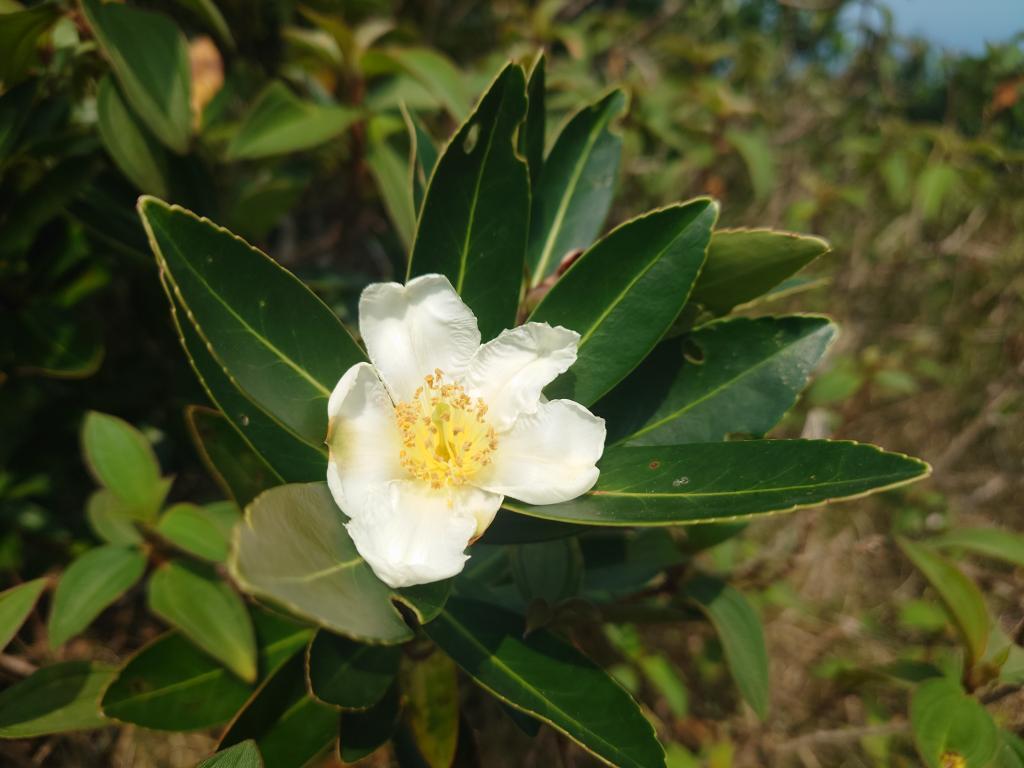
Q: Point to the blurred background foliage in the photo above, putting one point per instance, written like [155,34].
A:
[293,126]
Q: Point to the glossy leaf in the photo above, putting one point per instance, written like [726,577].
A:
[739,630]
[734,376]
[746,263]
[987,542]
[348,674]
[122,460]
[288,457]
[531,136]
[16,604]
[624,293]
[432,708]
[293,549]
[56,699]
[549,570]
[363,732]
[149,57]
[90,584]
[136,153]
[111,519]
[230,460]
[190,528]
[288,726]
[959,594]
[576,186]
[245,754]
[474,221]
[208,612]
[19,35]
[547,679]
[711,482]
[947,723]
[279,122]
[279,343]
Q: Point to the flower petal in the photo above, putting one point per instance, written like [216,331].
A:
[410,534]
[547,456]
[362,437]
[510,371]
[412,329]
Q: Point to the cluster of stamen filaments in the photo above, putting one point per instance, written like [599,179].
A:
[446,439]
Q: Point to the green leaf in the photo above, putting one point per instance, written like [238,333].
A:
[122,460]
[349,674]
[149,57]
[734,376]
[576,186]
[549,570]
[191,528]
[54,341]
[531,137]
[621,307]
[947,723]
[90,584]
[245,754]
[208,612]
[15,111]
[279,343]
[622,562]
[289,458]
[759,157]
[519,529]
[475,215]
[423,158]
[172,685]
[713,482]
[547,679]
[56,699]
[391,175]
[293,549]
[289,727]
[135,152]
[19,34]
[362,732]
[739,630]
[746,263]
[207,12]
[431,688]
[111,519]
[279,122]
[987,542]
[230,460]
[959,594]
[432,70]
[16,604]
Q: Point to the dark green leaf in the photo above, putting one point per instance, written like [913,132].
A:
[172,685]
[16,604]
[544,677]
[122,460]
[55,699]
[518,529]
[293,549]
[548,570]
[531,136]
[432,708]
[229,459]
[746,263]
[959,594]
[734,376]
[739,630]
[289,727]
[149,57]
[361,733]
[90,584]
[207,12]
[15,111]
[349,674]
[711,482]
[987,542]
[279,123]
[576,186]
[423,158]
[624,293]
[279,343]
[475,215]
[621,562]
[948,723]
[136,153]
[243,755]
[19,34]
[208,612]
[192,529]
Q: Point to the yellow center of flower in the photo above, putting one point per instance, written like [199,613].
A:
[446,439]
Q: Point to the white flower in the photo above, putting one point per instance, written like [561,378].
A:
[427,441]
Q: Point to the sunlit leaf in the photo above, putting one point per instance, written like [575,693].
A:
[15,605]
[55,699]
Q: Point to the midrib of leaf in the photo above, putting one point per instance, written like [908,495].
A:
[112,577]
[241,321]
[563,205]
[343,668]
[310,577]
[728,383]
[747,491]
[464,256]
[517,678]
